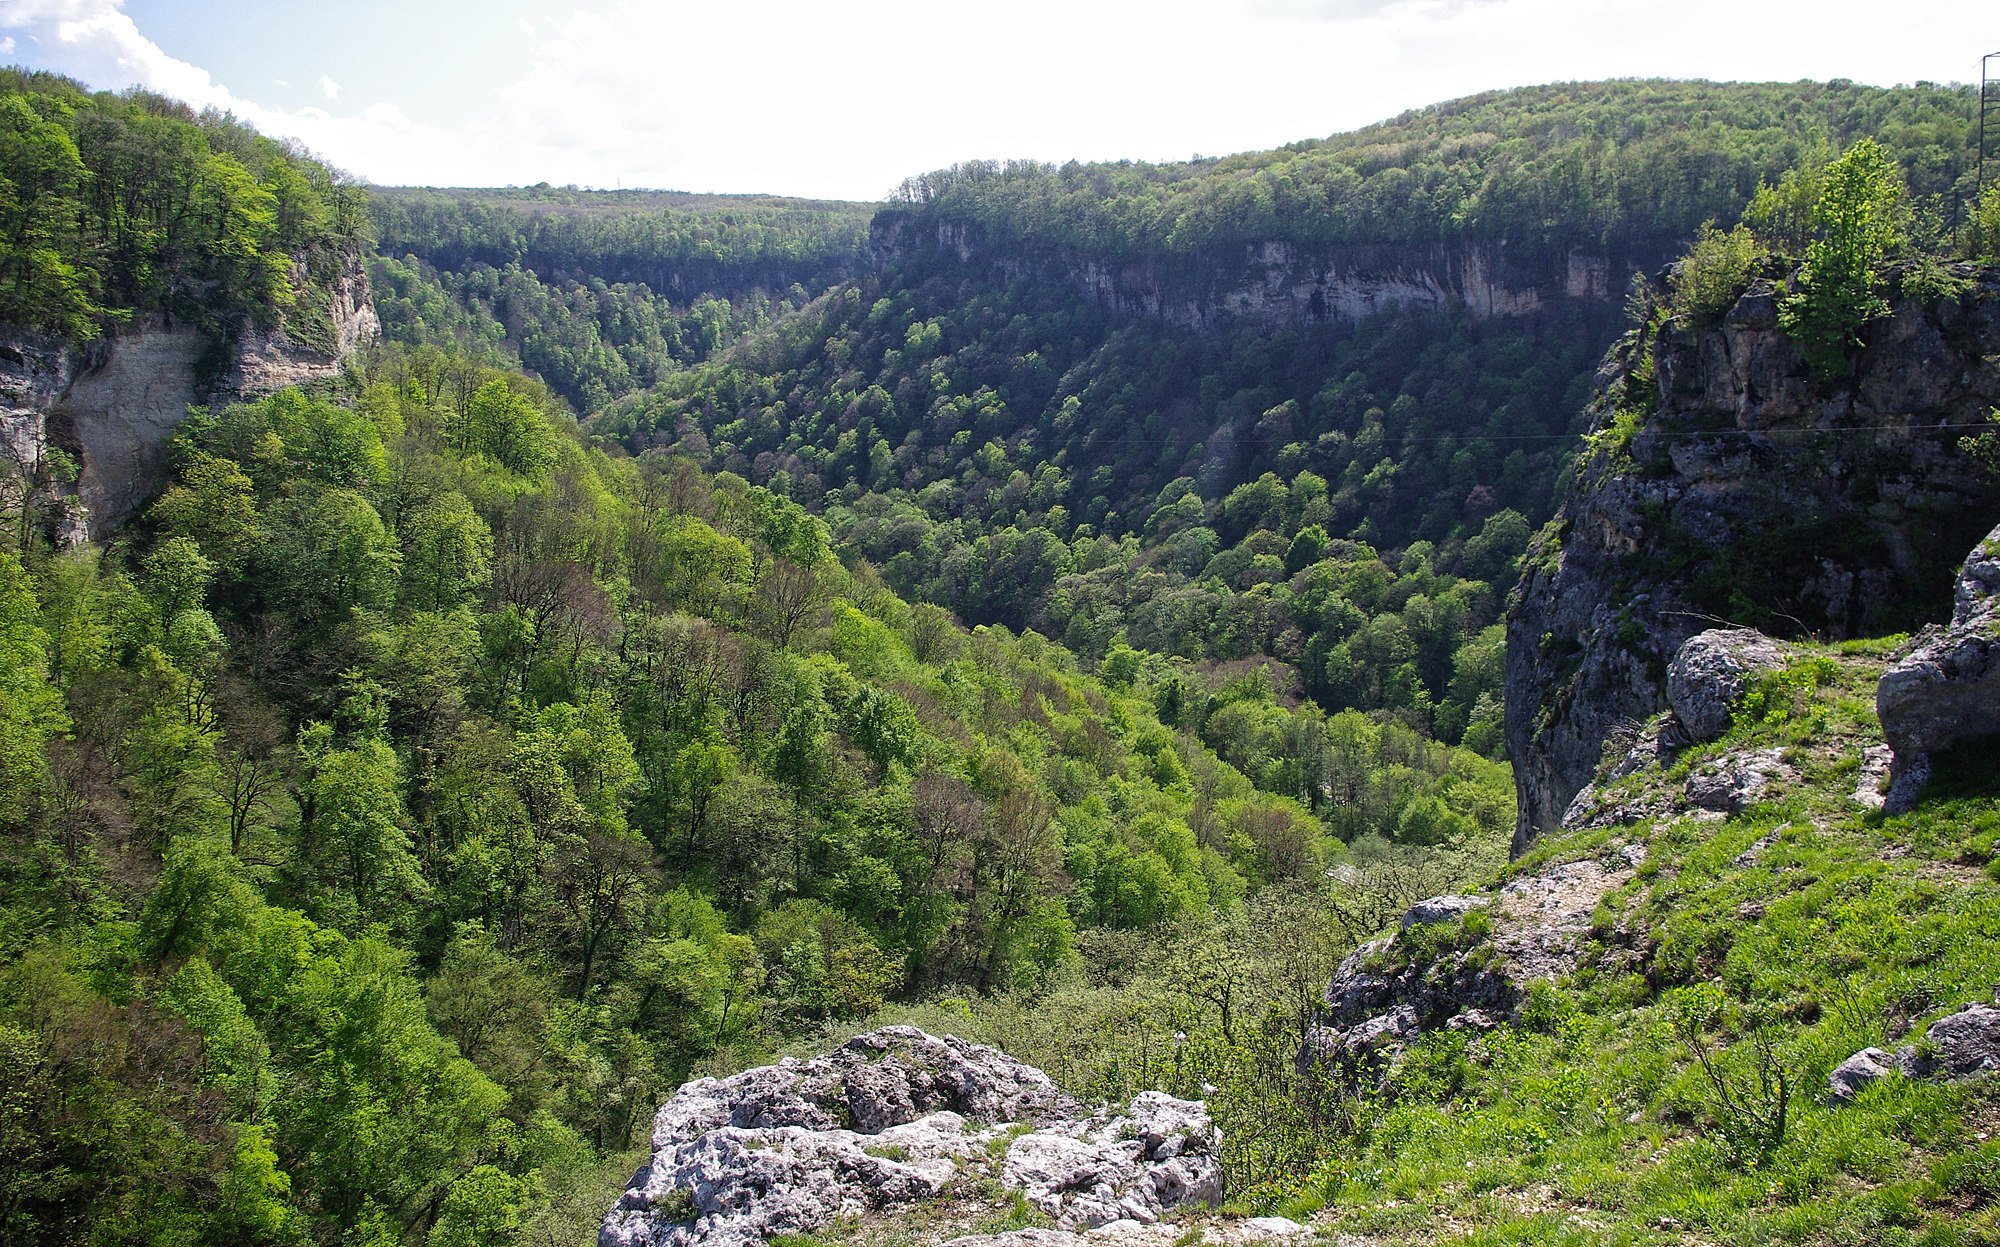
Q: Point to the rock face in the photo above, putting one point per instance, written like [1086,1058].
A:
[1751,490]
[1947,688]
[893,1117]
[113,405]
[1283,285]
[1387,993]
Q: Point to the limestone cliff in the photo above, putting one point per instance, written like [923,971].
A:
[1725,483]
[110,407]
[1282,284]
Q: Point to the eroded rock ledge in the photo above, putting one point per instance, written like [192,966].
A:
[895,1117]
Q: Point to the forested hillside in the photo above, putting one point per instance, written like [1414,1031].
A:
[1346,497]
[131,205]
[416,794]
[597,292]
[701,628]
[1626,167]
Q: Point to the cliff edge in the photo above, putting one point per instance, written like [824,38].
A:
[84,428]
[1724,484]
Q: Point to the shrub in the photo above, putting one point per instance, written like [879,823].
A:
[1856,224]
[1711,276]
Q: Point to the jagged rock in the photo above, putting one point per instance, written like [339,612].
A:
[1733,782]
[890,1118]
[1442,909]
[1157,1155]
[1965,1044]
[1708,676]
[1382,998]
[1857,1071]
[1730,467]
[1947,688]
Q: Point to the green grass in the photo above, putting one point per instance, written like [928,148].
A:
[1591,1120]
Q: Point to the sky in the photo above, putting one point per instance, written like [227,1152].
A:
[834,99]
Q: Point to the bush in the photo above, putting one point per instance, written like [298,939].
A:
[1856,224]
[1711,276]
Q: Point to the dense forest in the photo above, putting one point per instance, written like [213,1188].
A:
[693,631]
[115,206]
[1347,498]
[412,756]
[601,293]
[1618,166]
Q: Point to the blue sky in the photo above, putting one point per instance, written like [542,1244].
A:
[844,99]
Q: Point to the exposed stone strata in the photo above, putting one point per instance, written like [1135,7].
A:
[1754,487]
[892,1118]
[1391,991]
[113,405]
[1284,285]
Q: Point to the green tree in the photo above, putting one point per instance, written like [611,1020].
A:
[31,710]
[1856,224]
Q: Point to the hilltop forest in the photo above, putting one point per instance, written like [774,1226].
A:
[706,622]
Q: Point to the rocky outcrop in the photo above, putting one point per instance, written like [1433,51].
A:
[1282,284]
[111,406]
[1444,969]
[1709,674]
[1957,1046]
[1727,482]
[893,1117]
[1947,688]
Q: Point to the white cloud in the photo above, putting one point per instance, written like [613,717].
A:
[804,97]
[328,87]
[7,46]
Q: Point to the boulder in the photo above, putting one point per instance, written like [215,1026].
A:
[1709,673]
[1965,1044]
[1946,689]
[1857,1071]
[1442,909]
[890,1118]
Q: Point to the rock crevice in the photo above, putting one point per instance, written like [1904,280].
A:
[895,1117]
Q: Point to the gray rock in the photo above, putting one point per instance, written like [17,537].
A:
[1857,1071]
[1442,909]
[1965,1044]
[1947,688]
[1729,462]
[1709,673]
[888,1119]
[1732,783]
[1160,1153]
[1869,785]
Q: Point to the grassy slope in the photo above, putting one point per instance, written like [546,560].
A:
[1825,926]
